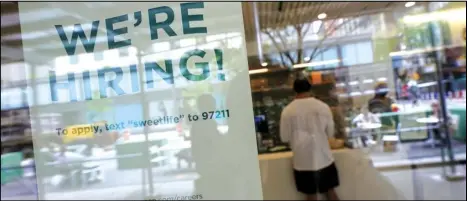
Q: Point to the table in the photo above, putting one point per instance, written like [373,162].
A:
[176,146]
[363,130]
[430,120]
[369,126]
[359,179]
[409,115]
[427,120]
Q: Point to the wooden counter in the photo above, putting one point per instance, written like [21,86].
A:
[358,178]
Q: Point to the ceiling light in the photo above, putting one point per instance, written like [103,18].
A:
[409,4]
[382,79]
[256,71]
[317,63]
[340,84]
[322,16]
[356,93]
[452,14]
[264,64]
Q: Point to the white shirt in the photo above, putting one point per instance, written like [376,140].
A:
[366,118]
[307,124]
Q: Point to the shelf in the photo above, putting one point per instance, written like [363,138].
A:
[271,89]
[17,141]
[460,69]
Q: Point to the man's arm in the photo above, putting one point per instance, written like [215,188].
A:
[329,121]
[285,128]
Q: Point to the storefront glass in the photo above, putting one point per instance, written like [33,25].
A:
[392,73]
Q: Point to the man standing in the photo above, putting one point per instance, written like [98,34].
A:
[308,125]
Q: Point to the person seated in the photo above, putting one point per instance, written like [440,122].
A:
[382,103]
[364,122]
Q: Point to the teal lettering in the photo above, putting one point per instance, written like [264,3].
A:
[71,86]
[113,84]
[87,85]
[165,25]
[112,33]
[187,18]
[78,32]
[167,74]
[203,65]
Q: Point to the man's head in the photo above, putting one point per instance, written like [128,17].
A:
[301,86]
[381,89]
[206,102]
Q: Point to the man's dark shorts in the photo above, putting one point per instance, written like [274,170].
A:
[319,181]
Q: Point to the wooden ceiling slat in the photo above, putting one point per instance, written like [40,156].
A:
[293,13]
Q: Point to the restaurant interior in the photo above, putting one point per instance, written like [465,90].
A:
[351,52]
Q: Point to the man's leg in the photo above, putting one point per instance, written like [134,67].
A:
[330,180]
[332,195]
[312,197]
[306,183]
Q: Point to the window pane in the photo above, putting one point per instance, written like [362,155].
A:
[364,52]
[330,55]
[73,59]
[349,55]
[187,42]
[98,56]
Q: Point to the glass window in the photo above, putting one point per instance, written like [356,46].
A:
[98,56]
[63,94]
[162,46]
[234,42]
[349,55]
[328,56]
[123,52]
[12,98]
[364,52]
[15,72]
[357,53]
[186,42]
[411,40]
[216,37]
[73,59]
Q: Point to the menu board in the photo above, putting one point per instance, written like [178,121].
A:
[181,66]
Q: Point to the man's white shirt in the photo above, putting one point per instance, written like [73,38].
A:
[307,124]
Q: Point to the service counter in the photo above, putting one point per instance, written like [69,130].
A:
[359,179]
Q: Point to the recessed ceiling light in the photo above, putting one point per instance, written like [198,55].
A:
[264,64]
[322,16]
[409,4]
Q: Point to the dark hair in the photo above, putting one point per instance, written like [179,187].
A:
[301,86]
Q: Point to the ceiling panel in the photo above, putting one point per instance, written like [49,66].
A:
[270,15]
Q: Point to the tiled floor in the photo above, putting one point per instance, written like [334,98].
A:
[422,183]
[427,184]
[406,152]
[415,184]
